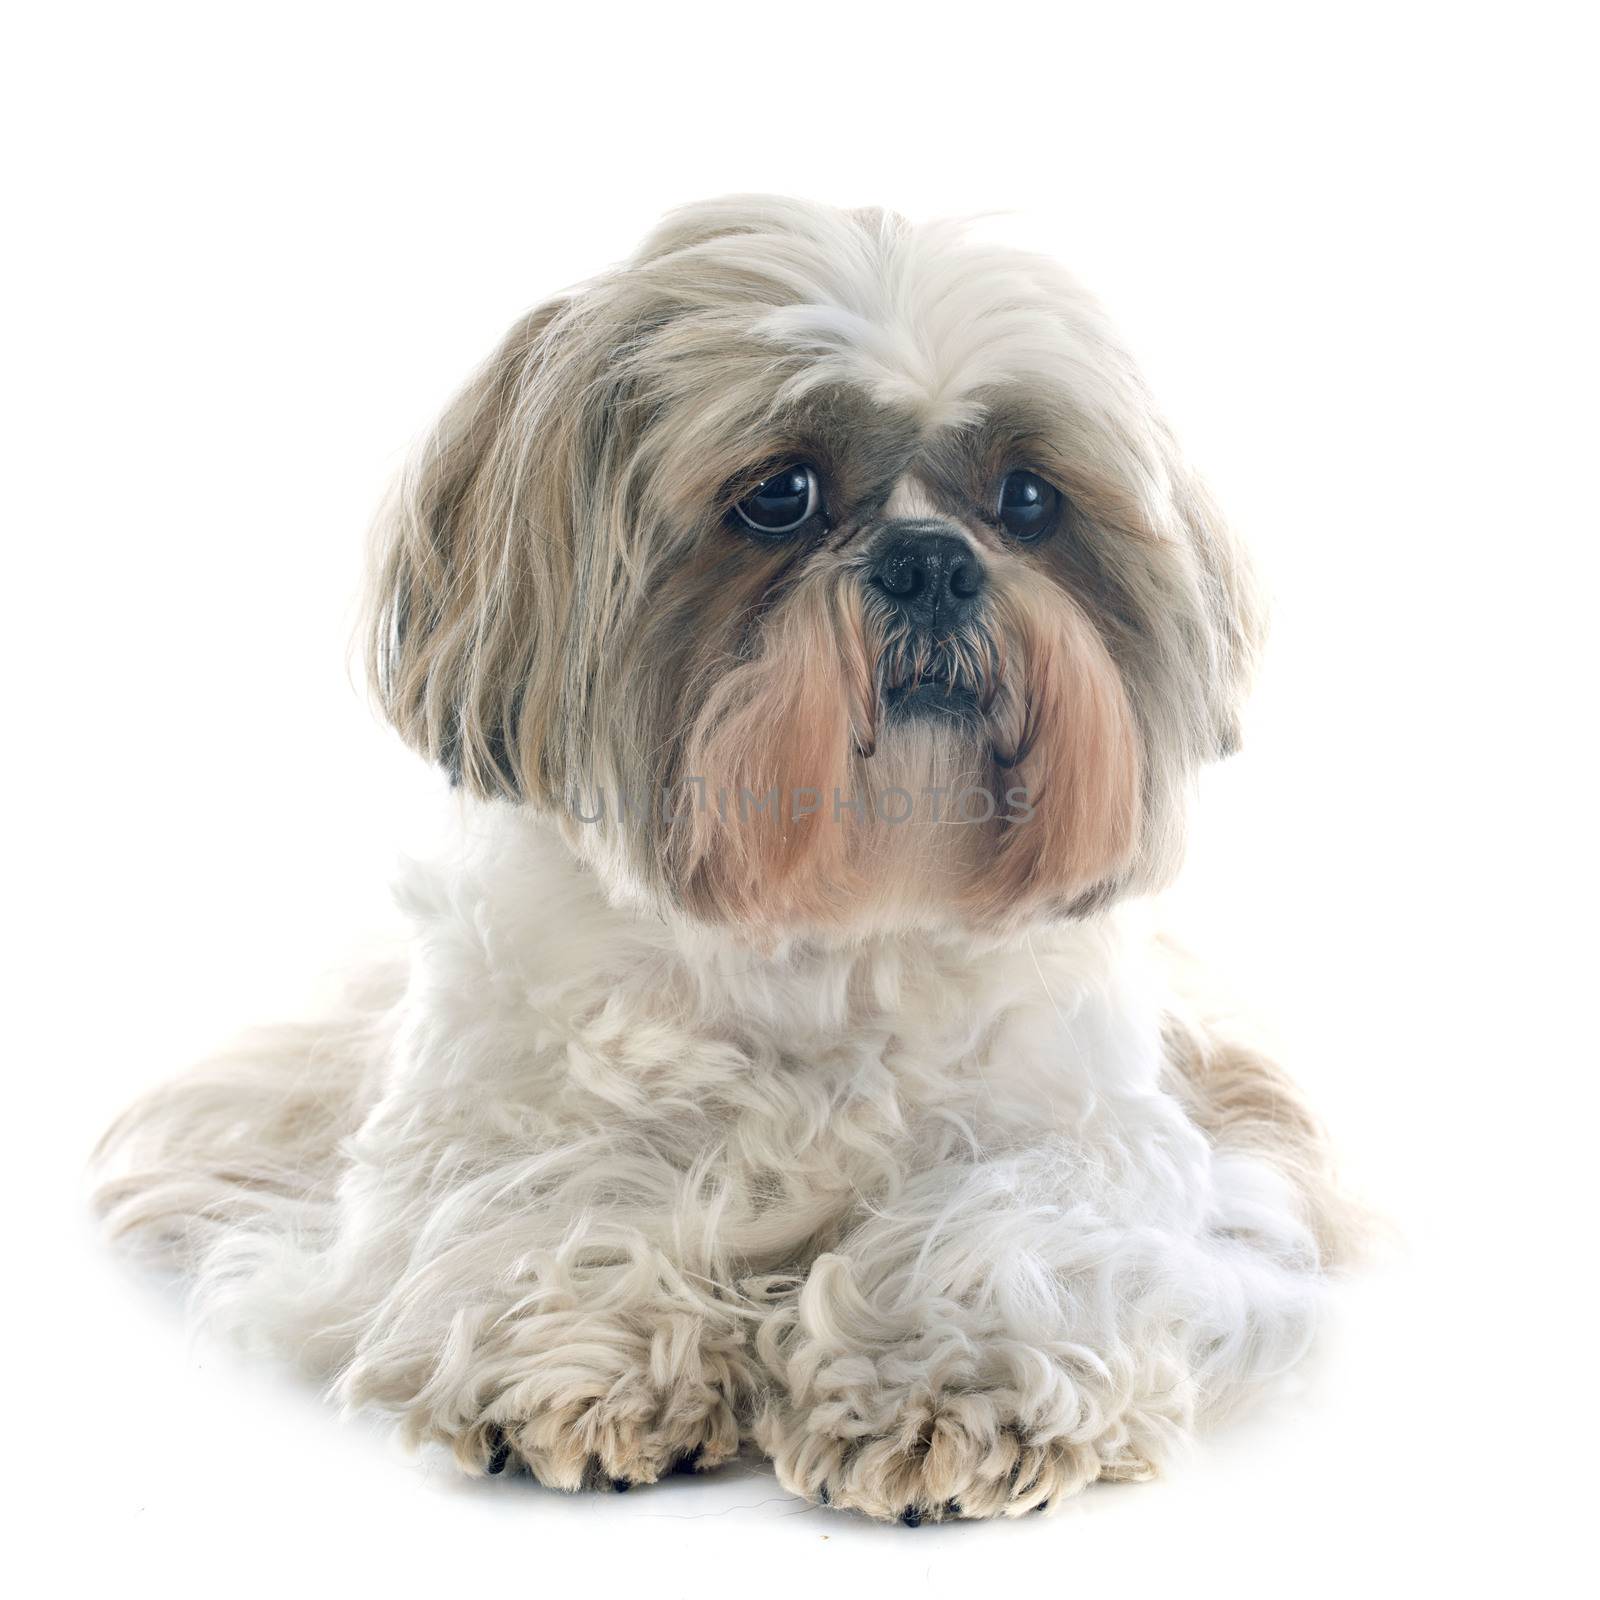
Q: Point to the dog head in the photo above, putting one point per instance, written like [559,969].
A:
[819,573]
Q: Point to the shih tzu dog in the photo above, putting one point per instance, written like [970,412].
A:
[821,632]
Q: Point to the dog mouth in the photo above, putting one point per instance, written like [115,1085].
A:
[955,679]
[935,688]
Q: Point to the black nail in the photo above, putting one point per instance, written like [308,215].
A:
[499,1452]
[690,1460]
[911,1517]
[952,1508]
[622,1485]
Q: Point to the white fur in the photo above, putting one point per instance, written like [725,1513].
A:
[919,1187]
[921,1209]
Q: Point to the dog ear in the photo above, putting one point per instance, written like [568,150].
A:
[1235,612]
[471,571]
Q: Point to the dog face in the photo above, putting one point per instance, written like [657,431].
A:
[820,574]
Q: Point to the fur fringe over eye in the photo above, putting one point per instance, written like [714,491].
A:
[563,606]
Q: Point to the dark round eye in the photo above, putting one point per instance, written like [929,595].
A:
[1029,507]
[781,503]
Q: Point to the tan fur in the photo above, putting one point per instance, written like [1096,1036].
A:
[1071,741]
[790,720]
[257,1132]
[1243,1101]
[590,469]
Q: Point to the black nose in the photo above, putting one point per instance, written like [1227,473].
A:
[932,579]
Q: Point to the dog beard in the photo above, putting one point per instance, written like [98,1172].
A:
[567,602]
[849,773]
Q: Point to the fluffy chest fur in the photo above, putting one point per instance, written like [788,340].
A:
[773,1084]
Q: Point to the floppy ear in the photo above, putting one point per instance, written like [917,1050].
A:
[472,572]
[1235,612]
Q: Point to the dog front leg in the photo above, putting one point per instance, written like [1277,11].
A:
[997,1335]
[556,1309]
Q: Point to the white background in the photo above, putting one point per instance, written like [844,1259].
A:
[252,250]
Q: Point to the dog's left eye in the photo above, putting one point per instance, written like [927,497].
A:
[1028,506]
[781,503]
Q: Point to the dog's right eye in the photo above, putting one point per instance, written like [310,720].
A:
[781,503]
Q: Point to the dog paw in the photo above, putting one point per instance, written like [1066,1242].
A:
[932,1458]
[630,1423]
[613,1441]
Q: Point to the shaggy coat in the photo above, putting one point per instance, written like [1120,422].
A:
[744,1080]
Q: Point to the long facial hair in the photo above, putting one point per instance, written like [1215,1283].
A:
[561,606]
[1050,752]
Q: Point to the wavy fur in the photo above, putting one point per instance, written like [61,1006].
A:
[878,1145]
